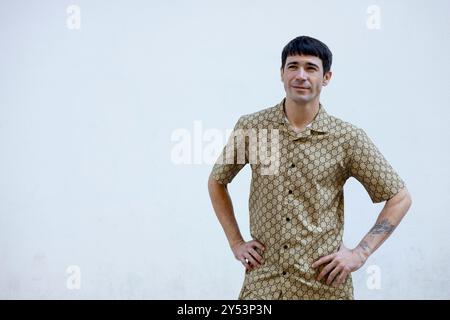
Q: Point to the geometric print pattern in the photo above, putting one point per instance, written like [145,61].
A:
[298,213]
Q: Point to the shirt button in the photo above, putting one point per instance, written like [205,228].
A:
[288,219]
[290,191]
[293,165]
[284,273]
[285,246]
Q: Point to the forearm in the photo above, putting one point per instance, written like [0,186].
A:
[388,219]
[223,208]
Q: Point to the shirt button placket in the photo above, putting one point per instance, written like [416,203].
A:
[285,247]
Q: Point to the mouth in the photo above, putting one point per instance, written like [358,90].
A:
[300,88]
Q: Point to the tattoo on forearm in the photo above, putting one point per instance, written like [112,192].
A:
[365,246]
[383,226]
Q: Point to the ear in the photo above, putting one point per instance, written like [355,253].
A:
[326,78]
[281,74]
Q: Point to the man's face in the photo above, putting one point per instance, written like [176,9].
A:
[303,78]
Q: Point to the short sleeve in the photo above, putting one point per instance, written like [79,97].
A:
[372,170]
[233,157]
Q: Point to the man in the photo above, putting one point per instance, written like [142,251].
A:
[297,207]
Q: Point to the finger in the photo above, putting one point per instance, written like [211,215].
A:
[258,244]
[333,274]
[244,259]
[256,255]
[327,269]
[246,264]
[251,260]
[323,260]
[341,278]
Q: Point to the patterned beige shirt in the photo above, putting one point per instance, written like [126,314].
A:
[297,212]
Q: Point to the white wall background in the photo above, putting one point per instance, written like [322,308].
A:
[87,115]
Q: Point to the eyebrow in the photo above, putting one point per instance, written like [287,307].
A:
[307,63]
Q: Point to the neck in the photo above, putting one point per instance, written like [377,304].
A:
[301,114]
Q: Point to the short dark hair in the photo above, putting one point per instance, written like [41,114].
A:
[305,45]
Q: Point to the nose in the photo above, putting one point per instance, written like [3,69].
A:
[301,74]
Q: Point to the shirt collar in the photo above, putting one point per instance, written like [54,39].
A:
[321,121]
